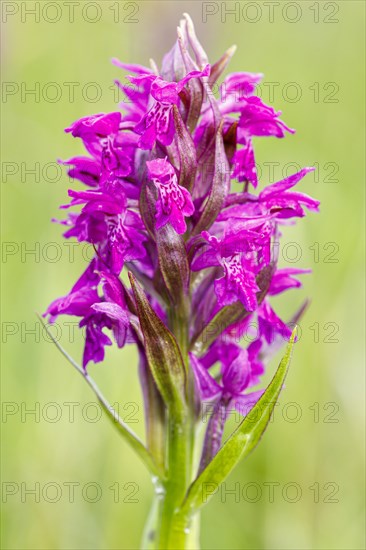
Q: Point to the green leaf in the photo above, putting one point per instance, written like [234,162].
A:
[162,352]
[113,416]
[241,442]
[216,326]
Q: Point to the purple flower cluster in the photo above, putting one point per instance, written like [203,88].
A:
[158,200]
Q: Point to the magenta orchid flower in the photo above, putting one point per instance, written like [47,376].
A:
[157,203]
[175,202]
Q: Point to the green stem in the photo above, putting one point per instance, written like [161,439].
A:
[171,533]
[179,323]
[172,528]
[183,534]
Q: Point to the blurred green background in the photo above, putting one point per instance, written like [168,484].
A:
[304,486]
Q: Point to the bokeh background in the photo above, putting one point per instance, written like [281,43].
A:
[304,486]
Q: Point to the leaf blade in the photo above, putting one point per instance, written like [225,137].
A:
[162,352]
[111,413]
[242,441]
